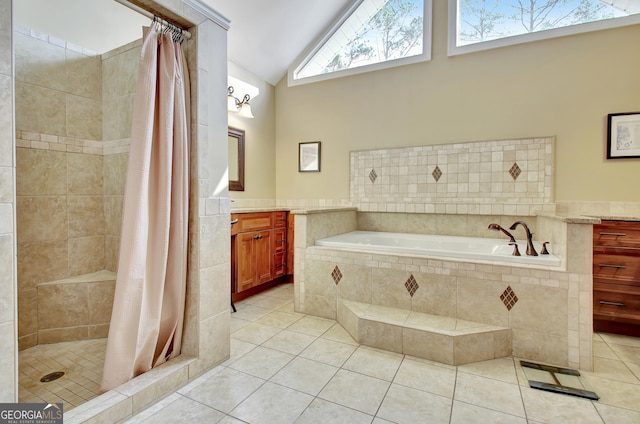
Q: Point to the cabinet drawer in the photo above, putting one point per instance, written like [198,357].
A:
[617,233]
[280,219]
[616,268]
[279,240]
[616,303]
[251,222]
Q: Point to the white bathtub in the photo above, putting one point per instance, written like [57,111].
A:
[473,248]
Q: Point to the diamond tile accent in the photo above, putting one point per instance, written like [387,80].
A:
[412,285]
[509,298]
[336,275]
[515,171]
[437,173]
[373,175]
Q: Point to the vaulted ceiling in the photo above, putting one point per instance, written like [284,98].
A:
[265,37]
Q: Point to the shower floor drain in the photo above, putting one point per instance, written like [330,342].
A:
[52,376]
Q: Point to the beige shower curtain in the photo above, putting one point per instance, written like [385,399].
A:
[148,309]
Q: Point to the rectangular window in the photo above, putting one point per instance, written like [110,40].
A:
[483,24]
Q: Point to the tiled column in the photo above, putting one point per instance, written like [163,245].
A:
[8,353]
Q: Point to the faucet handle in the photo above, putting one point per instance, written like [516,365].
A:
[544,250]
[516,252]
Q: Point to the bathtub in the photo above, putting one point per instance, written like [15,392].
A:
[471,248]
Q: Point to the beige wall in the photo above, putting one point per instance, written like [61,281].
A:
[260,132]
[563,87]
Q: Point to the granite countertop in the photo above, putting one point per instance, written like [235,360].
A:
[296,211]
[588,219]
[250,210]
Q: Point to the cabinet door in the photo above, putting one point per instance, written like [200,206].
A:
[264,261]
[246,261]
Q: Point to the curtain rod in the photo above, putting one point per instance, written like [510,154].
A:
[150,15]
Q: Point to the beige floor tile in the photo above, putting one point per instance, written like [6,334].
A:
[238,350]
[255,333]
[187,411]
[339,334]
[616,393]
[627,353]
[249,312]
[620,339]
[464,413]
[613,415]
[289,342]
[267,406]
[406,405]
[612,369]
[355,391]
[270,302]
[313,326]
[236,323]
[489,393]
[226,390]
[426,377]
[323,412]
[602,350]
[279,319]
[305,375]
[262,362]
[502,369]
[328,352]
[557,408]
[374,363]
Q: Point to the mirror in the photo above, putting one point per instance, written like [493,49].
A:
[236,159]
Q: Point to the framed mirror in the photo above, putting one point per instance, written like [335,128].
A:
[236,159]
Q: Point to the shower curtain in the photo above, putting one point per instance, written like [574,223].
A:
[148,310]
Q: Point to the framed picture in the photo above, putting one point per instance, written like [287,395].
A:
[309,157]
[623,135]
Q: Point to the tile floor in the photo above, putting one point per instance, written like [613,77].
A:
[81,361]
[287,367]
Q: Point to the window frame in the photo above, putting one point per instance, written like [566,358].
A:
[316,45]
[454,49]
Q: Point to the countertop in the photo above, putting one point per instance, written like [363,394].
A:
[296,211]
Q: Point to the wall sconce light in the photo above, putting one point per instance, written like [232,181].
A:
[242,107]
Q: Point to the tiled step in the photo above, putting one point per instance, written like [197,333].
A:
[441,339]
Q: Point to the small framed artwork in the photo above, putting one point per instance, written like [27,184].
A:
[309,157]
[623,135]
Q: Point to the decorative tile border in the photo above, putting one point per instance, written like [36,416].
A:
[32,140]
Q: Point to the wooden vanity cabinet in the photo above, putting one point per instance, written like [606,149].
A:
[258,249]
[616,277]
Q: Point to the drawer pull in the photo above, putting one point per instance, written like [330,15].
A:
[604,302]
[235,221]
[612,266]
[258,237]
[612,234]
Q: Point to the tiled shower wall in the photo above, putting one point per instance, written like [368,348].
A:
[71,163]
[8,353]
[508,177]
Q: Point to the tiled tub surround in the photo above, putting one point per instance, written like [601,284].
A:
[548,310]
[507,177]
